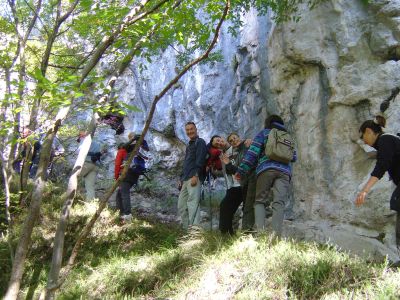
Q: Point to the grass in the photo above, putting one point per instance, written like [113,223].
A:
[149,260]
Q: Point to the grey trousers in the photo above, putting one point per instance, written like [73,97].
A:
[89,174]
[189,204]
[279,183]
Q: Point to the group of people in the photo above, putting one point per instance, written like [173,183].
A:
[251,175]
[30,150]
[136,168]
[91,164]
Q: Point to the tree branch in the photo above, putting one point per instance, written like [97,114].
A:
[36,13]
[65,67]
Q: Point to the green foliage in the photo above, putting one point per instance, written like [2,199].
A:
[14,209]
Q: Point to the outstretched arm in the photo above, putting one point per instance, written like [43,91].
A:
[251,157]
[360,200]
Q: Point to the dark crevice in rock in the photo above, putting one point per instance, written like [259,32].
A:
[144,97]
[394,54]
[386,103]
[380,237]
[324,111]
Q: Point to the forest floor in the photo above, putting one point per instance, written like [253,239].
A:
[149,259]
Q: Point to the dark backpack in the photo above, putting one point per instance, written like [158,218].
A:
[95,156]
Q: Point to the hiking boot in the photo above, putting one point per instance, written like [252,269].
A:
[126,218]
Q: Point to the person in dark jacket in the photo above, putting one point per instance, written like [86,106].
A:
[191,178]
[387,160]
[136,169]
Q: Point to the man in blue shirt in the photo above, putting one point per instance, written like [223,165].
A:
[191,178]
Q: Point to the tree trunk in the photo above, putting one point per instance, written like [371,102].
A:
[46,57]
[7,192]
[52,281]
[32,217]
[69,197]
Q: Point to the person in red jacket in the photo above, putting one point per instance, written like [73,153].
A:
[135,170]
[118,167]
[119,159]
[213,161]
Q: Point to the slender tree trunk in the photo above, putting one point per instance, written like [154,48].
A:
[46,57]
[7,208]
[32,217]
[6,191]
[3,119]
[3,147]
[69,197]
[20,53]
[103,202]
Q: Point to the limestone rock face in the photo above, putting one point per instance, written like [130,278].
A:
[330,72]
[325,75]
[220,97]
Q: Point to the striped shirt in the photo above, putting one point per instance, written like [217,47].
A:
[255,157]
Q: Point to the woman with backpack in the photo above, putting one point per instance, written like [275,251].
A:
[136,169]
[271,174]
[387,160]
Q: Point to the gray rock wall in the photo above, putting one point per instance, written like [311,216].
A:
[220,97]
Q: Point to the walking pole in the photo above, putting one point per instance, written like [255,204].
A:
[209,198]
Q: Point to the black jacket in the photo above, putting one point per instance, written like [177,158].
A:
[388,157]
[195,159]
